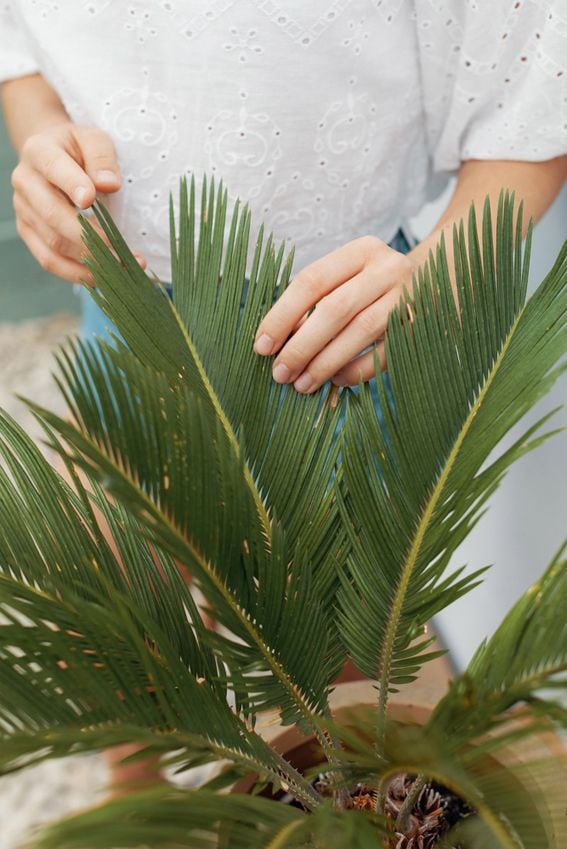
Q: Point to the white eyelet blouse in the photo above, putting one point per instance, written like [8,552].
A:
[331,118]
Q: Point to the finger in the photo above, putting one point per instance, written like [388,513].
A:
[98,158]
[69,270]
[305,290]
[331,315]
[53,239]
[140,259]
[365,328]
[44,207]
[363,368]
[51,160]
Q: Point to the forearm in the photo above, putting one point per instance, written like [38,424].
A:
[535,183]
[30,106]
[354,288]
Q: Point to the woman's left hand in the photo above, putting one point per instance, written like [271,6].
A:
[353,289]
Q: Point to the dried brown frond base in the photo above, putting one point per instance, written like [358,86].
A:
[434,814]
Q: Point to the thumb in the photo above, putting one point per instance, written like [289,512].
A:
[99,158]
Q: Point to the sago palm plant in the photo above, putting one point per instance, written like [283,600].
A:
[312,542]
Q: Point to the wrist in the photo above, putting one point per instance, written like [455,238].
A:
[31,106]
[420,254]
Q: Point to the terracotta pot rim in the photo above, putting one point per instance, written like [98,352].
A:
[291,743]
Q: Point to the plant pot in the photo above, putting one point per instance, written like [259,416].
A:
[347,699]
[352,691]
[352,697]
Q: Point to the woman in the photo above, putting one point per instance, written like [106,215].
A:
[334,119]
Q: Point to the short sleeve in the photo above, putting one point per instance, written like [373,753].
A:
[16,56]
[494,75]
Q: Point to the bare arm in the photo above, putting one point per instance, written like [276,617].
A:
[30,106]
[354,288]
[536,183]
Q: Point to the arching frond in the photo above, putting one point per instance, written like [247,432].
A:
[525,661]
[157,430]
[57,536]
[178,819]
[81,640]
[418,484]
[185,481]
[94,670]
[529,803]
[208,346]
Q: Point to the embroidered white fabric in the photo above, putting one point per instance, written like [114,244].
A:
[332,118]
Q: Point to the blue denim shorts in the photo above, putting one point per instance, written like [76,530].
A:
[95,323]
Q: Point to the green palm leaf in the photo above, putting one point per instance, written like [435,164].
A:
[418,485]
[208,346]
[177,819]
[525,658]
[86,639]
[151,447]
[93,670]
[528,801]
[186,481]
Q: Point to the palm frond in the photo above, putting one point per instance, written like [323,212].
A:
[144,424]
[57,536]
[94,669]
[525,661]
[529,802]
[208,346]
[178,749]
[52,539]
[177,819]
[86,638]
[188,490]
[417,485]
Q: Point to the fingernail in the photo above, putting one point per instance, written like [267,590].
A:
[281,373]
[140,259]
[264,345]
[304,383]
[106,177]
[80,196]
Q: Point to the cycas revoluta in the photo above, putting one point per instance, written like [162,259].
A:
[310,541]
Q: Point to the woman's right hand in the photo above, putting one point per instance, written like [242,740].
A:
[60,170]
